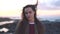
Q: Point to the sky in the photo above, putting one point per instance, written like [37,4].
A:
[49,4]
[13,8]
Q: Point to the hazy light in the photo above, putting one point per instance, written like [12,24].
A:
[4,29]
[6,22]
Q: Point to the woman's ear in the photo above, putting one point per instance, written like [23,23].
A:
[22,16]
[34,13]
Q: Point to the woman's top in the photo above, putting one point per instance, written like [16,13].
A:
[31,28]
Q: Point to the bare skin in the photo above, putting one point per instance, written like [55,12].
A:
[29,14]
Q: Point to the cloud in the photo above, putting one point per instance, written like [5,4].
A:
[57,3]
[50,5]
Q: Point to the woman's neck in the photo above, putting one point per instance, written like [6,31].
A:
[31,21]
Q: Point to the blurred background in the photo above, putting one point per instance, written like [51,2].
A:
[48,12]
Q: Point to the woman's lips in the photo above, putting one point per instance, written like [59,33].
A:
[28,17]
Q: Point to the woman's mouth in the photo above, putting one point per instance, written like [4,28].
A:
[28,17]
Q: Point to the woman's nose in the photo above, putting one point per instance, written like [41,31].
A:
[28,14]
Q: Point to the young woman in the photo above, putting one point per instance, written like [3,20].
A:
[29,24]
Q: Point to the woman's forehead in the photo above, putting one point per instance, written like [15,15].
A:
[28,9]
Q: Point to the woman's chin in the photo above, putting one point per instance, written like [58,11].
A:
[29,19]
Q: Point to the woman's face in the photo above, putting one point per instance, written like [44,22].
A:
[29,13]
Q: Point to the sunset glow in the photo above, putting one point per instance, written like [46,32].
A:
[11,8]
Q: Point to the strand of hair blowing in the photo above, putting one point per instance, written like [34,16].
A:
[40,26]
[21,26]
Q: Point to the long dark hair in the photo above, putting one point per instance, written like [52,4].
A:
[22,25]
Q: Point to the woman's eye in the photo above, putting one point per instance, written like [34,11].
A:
[30,12]
[26,13]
